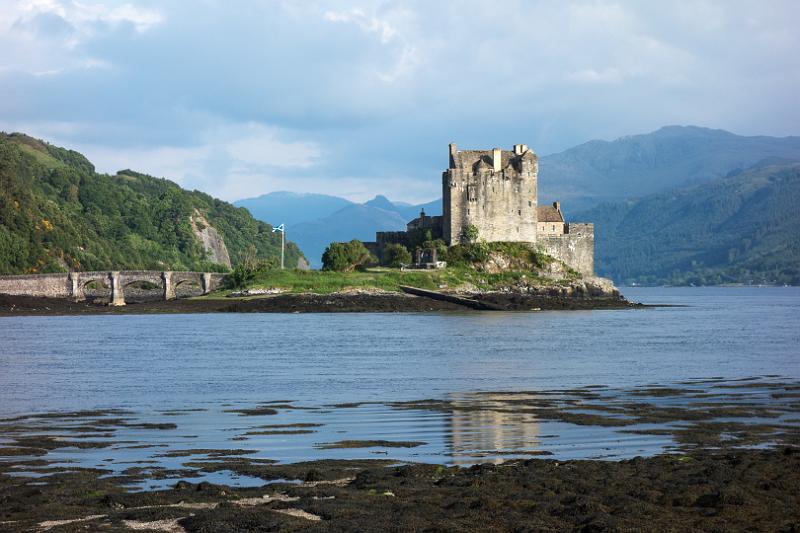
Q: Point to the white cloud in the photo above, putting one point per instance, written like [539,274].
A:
[362,98]
[230,161]
[47,37]
[402,57]
[369,24]
[85,15]
[590,75]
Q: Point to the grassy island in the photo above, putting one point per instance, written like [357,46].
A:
[476,267]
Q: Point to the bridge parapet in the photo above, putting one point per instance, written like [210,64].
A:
[45,285]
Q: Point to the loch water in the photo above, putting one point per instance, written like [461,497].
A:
[342,372]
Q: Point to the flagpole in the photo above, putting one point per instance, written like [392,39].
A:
[283,238]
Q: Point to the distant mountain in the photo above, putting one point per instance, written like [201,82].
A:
[742,228]
[356,221]
[57,213]
[313,223]
[407,211]
[291,208]
[638,165]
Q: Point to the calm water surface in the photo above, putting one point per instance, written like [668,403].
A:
[154,363]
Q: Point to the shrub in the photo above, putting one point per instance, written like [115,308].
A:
[468,254]
[470,234]
[243,274]
[346,256]
[396,255]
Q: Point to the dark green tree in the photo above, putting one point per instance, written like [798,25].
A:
[396,255]
[346,256]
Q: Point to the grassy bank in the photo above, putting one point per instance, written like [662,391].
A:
[388,279]
[478,266]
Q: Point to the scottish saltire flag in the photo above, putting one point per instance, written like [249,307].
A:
[278,228]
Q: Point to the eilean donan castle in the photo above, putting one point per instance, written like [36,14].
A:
[495,191]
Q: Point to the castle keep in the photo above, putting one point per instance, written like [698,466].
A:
[496,192]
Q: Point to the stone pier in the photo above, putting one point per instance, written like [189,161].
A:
[117,294]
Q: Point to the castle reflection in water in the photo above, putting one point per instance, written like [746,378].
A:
[486,426]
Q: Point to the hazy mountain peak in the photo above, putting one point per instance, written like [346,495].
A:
[382,202]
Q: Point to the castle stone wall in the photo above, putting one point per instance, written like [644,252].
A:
[575,248]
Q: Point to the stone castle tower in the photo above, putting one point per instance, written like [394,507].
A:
[494,190]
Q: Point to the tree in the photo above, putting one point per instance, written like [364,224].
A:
[345,256]
[396,255]
[335,257]
[418,236]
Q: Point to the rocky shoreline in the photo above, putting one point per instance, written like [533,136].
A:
[753,490]
[340,302]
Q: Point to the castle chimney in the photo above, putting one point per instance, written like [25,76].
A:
[497,159]
[557,205]
[517,149]
[453,155]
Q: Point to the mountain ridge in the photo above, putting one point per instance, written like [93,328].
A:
[741,228]
[642,164]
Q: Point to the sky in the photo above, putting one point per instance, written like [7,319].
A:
[362,98]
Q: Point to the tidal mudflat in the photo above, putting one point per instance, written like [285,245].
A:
[700,453]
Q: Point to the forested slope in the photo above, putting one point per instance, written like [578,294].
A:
[742,228]
[57,213]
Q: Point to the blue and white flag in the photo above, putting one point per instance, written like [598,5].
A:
[278,228]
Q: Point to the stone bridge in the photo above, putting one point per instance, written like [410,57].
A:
[74,284]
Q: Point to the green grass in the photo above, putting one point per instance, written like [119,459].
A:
[325,282]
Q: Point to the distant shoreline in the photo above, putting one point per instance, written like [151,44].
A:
[340,302]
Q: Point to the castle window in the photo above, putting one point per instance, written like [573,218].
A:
[519,212]
[529,203]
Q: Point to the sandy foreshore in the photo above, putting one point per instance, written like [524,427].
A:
[344,302]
